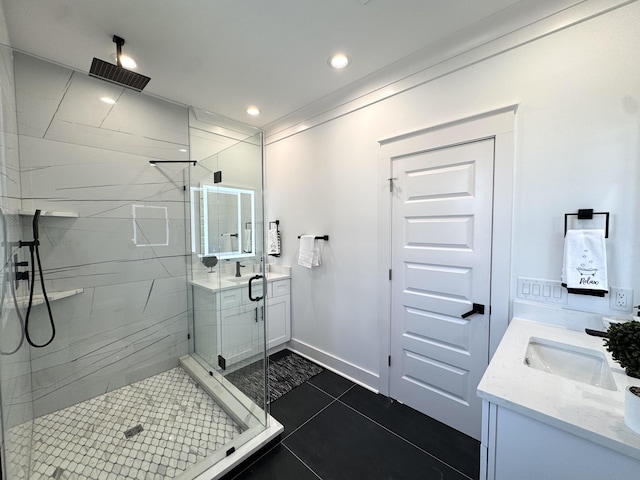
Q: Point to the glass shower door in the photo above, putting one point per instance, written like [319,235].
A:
[228,287]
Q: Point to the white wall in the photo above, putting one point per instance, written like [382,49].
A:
[577,146]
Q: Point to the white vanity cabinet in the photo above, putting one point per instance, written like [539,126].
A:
[517,446]
[228,323]
[548,424]
[278,312]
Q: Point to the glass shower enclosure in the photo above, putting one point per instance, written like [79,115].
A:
[156,364]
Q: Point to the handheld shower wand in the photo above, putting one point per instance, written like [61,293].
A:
[35,251]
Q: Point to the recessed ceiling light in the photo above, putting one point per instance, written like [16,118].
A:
[253,111]
[183,150]
[107,100]
[125,61]
[339,60]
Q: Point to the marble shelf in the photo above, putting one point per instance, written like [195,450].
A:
[38,298]
[47,213]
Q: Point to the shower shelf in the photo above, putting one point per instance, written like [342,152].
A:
[38,298]
[45,213]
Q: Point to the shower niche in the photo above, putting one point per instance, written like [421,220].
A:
[123,372]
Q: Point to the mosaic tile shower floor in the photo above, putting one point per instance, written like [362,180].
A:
[181,426]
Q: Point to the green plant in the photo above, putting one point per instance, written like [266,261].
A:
[624,344]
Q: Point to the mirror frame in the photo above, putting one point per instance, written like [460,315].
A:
[203,215]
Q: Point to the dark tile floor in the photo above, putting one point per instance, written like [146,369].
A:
[335,429]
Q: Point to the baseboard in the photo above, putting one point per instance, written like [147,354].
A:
[276,349]
[356,374]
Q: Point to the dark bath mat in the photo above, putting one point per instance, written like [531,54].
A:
[289,372]
[285,373]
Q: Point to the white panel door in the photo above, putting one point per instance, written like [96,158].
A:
[441,261]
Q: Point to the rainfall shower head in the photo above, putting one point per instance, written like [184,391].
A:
[117,73]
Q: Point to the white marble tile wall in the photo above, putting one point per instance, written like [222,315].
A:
[78,154]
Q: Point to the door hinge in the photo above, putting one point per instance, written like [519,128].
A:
[389,360]
[390,275]
[391,183]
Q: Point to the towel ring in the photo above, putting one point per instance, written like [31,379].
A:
[587,214]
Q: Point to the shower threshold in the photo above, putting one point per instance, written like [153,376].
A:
[243,410]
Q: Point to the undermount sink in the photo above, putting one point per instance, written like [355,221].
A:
[570,361]
[237,279]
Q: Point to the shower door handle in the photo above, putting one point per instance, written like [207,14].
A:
[256,299]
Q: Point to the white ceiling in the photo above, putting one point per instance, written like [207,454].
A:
[224,55]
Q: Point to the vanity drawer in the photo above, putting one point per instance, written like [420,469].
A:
[232,297]
[279,288]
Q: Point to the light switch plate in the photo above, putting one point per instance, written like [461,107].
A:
[544,291]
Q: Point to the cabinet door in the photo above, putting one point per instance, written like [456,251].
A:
[527,448]
[278,321]
[239,332]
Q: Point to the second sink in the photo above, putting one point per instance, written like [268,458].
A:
[569,361]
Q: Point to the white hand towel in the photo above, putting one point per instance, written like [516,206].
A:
[225,242]
[273,242]
[584,270]
[309,255]
[246,240]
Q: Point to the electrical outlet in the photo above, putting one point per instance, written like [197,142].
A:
[621,299]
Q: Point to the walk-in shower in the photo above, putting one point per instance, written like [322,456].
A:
[140,379]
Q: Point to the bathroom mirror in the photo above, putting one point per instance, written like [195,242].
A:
[227,220]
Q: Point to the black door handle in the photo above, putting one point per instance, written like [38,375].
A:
[477,308]
[257,299]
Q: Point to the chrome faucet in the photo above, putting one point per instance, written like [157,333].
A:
[238,269]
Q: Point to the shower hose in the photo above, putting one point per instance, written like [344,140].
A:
[35,255]
[34,248]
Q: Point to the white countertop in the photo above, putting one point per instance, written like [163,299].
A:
[226,283]
[590,412]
